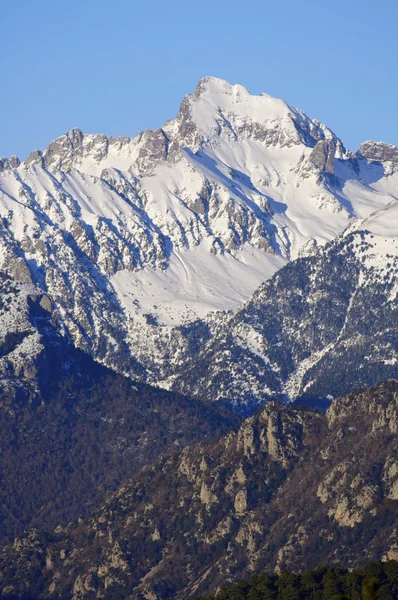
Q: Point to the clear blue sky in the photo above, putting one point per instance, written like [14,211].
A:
[120,66]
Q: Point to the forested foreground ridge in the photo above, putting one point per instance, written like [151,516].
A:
[376,581]
[290,489]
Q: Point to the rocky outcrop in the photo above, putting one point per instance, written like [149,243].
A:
[71,149]
[289,489]
[323,156]
[12,162]
[379,151]
[381,154]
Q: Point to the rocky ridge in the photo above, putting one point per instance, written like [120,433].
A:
[290,489]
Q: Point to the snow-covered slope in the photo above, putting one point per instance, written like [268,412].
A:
[322,326]
[181,221]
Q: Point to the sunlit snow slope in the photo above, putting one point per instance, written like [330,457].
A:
[183,220]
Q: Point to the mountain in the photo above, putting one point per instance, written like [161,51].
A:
[237,257]
[322,326]
[133,237]
[71,430]
[289,489]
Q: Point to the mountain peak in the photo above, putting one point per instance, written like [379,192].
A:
[209,82]
[218,109]
[226,96]
[73,148]
[216,112]
[216,85]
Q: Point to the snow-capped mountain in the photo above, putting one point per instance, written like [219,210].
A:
[126,234]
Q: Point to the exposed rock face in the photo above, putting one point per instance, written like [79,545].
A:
[69,150]
[9,163]
[289,489]
[379,151]
[323,156]
[154,148]
[61,152]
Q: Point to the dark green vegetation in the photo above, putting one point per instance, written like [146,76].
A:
[376,581]
[291,489]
